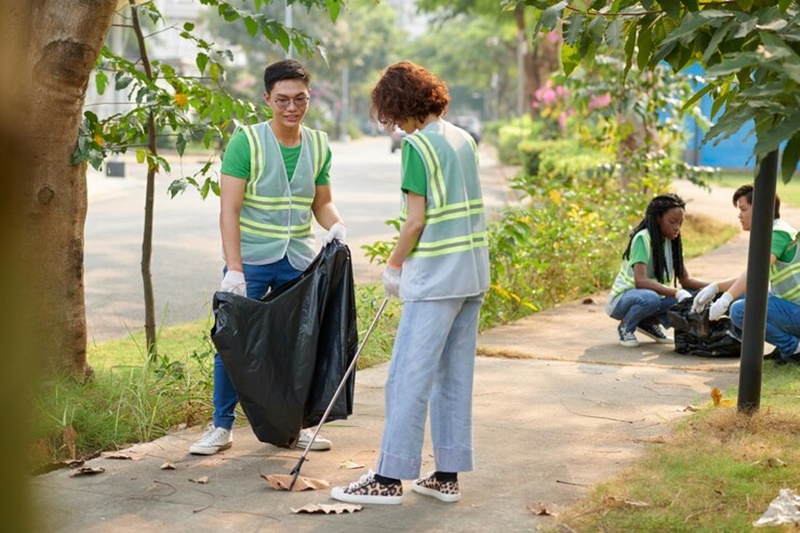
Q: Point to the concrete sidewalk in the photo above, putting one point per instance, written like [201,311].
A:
[571,409]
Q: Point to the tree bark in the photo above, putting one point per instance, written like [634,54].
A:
[63,41]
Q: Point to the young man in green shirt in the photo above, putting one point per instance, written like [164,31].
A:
[275,176]
[783,302]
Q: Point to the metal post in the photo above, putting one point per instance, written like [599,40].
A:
[755,303]
[345,118]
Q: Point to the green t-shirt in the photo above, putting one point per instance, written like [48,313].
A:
[236,160]
[414,177]
[781,241]
[640,253]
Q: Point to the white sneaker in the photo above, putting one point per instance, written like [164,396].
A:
[214,440]
[320,443]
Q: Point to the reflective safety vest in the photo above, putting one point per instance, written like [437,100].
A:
[625,280]
[275,220]
[785,277]
[451,257]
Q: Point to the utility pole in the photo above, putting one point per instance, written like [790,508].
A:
[755,303]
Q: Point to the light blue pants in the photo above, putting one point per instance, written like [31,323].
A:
[433,363]
[259,279]
[636,305]
[783,323]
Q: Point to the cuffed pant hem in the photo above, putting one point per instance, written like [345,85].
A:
[453,459]
[398,467]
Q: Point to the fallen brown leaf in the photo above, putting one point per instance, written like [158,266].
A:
[117,455]
[336,508]
[350,465]
[587,301]
[202,480]
[771,462]
[282,482]
[613,501]
[70,436]
[168,466]
[87,471]
[716,396]
[541,509]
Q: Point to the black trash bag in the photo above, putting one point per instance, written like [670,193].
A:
[695,334]
[287,353]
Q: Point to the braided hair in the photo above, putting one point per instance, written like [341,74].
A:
[656,208]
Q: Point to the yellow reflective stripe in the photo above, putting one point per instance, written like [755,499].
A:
[791,295]
[781,275]
[256,157]
[450,211]
[316,152]
[280,202]
[273,230]
[449,246]
[438,189]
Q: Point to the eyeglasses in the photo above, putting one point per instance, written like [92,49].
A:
[299,101]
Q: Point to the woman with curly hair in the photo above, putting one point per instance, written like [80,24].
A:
[652,264]
[439,268]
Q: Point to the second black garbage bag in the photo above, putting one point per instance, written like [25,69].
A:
[695,334]
[287,352]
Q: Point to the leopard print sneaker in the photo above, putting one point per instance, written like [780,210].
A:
[368,490]
[445,491]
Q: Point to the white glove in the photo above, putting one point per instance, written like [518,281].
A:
[391,281]
[682,294]
[719,307]
[337,231]
[705,295]
[234,282]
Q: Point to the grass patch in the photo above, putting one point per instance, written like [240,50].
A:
[718,471]
[700,234]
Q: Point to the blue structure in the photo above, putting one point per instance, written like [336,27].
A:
[733,152]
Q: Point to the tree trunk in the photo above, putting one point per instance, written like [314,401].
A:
[541,60]
[147,236]
[63,41]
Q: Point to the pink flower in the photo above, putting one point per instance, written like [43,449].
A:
[562,120]
[597,102]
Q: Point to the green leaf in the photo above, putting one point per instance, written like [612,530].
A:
[645,42]
[775,135]
[202,61]
[551,16]
[570,58]
[777,48]
[691,5]
[630,46]
[333,8]
[100,81]
[745,27]
[180,144]
[574,25]
[613,35]
[693,22]
[251,25]
[791,155]
[697,96]
[734,64]
[784,5]
[716,39]
[141,155]
[672,8]
[793,71]
[188,26]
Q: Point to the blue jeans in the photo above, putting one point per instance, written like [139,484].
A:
[637,305]
[433,362]
[259,279]
[783,323]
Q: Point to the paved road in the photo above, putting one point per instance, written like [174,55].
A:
[186,266]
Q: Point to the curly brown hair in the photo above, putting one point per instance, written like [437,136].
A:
[408,91]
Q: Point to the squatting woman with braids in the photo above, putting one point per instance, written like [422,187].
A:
[652,264]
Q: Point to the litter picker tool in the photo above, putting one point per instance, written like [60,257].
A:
[296,470]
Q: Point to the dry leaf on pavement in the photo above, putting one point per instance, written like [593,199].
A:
[542,509]
[87,471]
[350,465]
[168,466]
[336,508]
[282,482]
[116,455]
[202,480]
